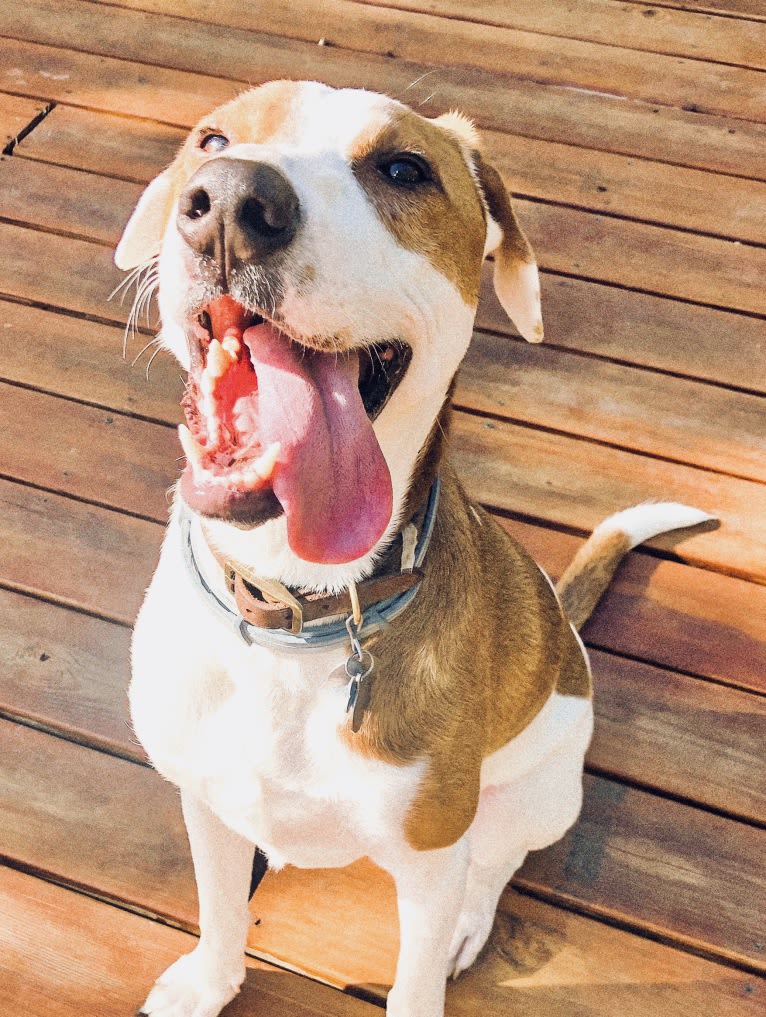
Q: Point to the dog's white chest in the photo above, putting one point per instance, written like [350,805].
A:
[258,736]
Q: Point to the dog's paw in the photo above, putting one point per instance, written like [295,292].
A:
[187,990]
[471,933]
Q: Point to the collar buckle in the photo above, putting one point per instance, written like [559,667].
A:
[269,587]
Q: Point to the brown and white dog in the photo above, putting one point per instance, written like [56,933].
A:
[318,254]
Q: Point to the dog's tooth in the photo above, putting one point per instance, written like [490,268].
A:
[264,465]
[231,345]
[218,360]
[192,450]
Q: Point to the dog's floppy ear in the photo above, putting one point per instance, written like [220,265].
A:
[142,237]
[517,282]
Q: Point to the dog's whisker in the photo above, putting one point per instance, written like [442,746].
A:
[152,342]
[151,360]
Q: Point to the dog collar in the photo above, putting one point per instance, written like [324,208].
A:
[308,620]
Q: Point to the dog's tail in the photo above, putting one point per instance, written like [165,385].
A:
[591,571]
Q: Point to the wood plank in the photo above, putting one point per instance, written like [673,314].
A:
[554,113]
[652,332]
[118,146]
[637,188]
[575,483]
[510,467]
[652,27]
[16,114]
[686,421]
[680,420]
[684,737]
[65,954]
[734,8]
[40,195]
[83,360]
[637,328]
[546,961]
[67,447]
[626,840]
[113,827]
[96,560]
[541,960]
[69,672]
[404,34]
[79,275]
[706,270]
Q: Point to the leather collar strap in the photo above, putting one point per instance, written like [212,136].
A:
[259,602]
[269,613]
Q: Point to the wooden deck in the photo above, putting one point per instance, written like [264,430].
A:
[634,135]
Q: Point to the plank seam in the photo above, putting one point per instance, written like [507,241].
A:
[465,19]
[480,121]
[27,130]
[703,11]
[492,415]
[605,213]
[745,312]
[676,940]
[726,683]
[604,358]
[82,500]
[671,796]
[69,312]
[551,82]
[55,600]
[460,18]
[91,404]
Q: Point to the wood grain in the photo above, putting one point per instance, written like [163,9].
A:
[636,328]
[549,112]
[649,27]
[114,827]
[117,146]
[82,555]
[404,34]
[574,483]
[61,949]
[16,114]
[513,468]
[703,425]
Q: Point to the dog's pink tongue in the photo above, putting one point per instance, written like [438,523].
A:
[331,478]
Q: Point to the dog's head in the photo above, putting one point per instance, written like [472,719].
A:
[319,261]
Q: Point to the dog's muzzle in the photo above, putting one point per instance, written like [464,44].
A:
[235,212]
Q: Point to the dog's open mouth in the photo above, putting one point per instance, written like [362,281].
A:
[275,426]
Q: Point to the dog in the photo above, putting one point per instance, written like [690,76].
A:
[340,655]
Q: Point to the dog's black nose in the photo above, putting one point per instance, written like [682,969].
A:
[236,212]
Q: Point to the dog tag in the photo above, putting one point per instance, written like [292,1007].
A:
[359,669]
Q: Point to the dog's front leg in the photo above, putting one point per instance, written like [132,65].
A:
[429,890]
[202,982]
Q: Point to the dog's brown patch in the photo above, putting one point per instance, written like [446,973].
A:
[478,666]
[442,220]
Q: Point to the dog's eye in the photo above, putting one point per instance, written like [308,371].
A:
[407,170]
[213,142]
